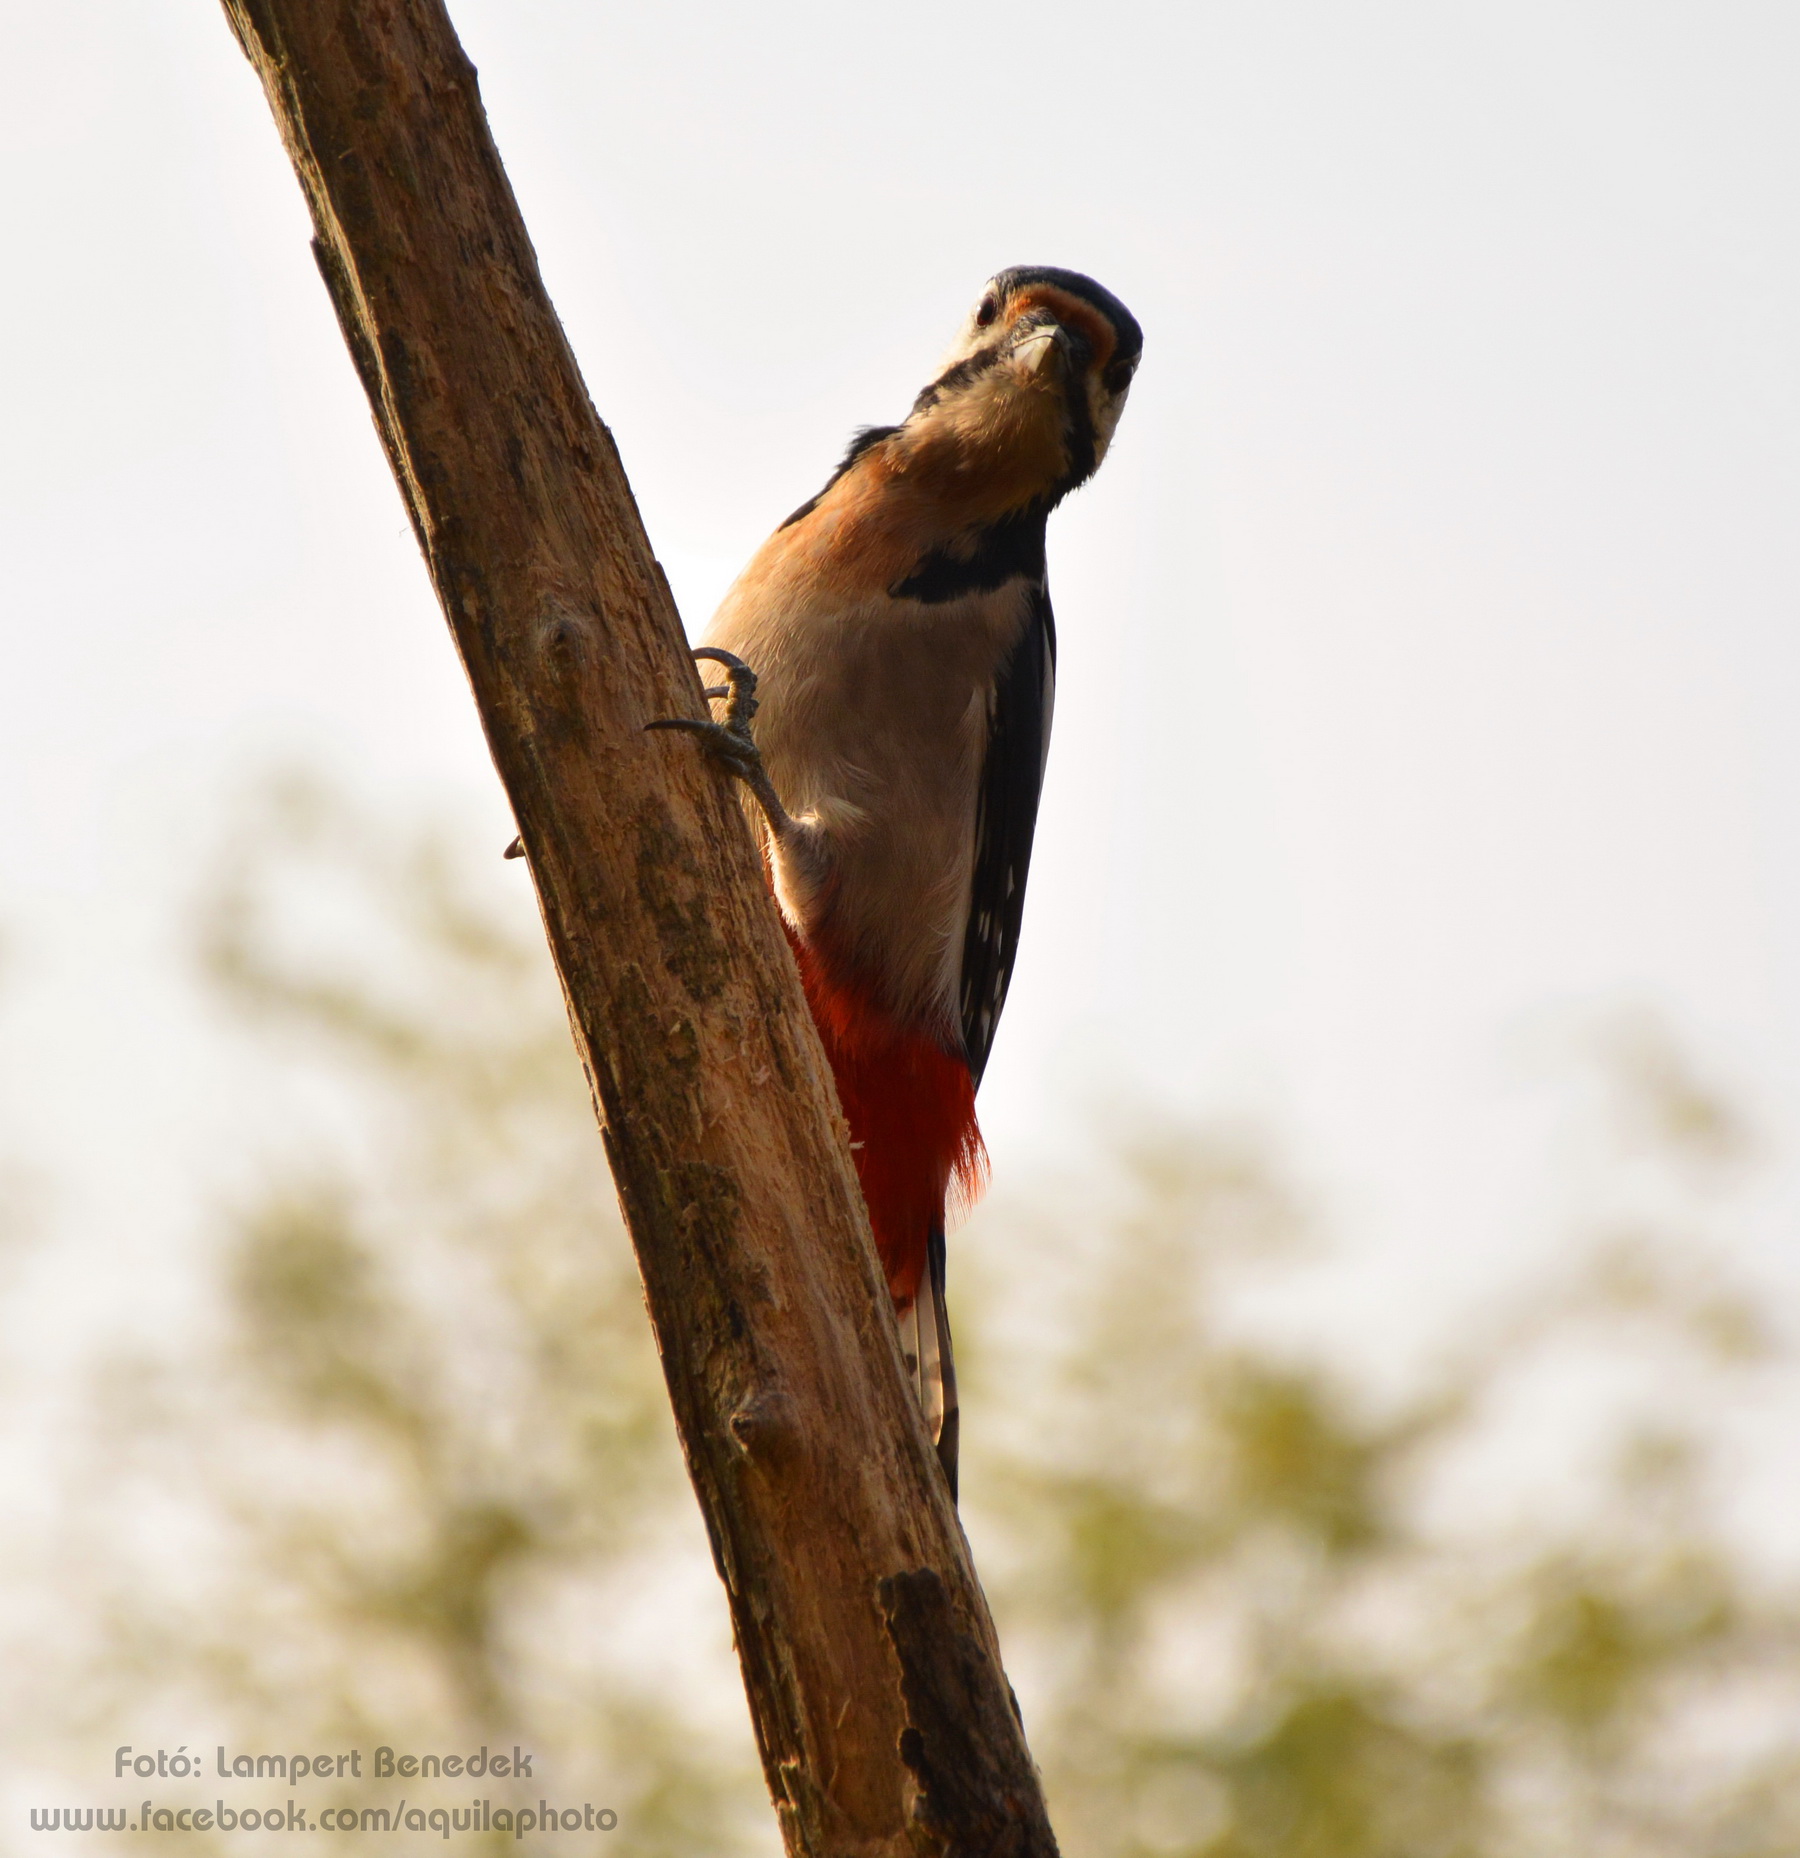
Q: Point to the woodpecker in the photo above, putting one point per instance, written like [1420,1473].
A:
[894,644]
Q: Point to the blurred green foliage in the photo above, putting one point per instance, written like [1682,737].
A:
[411,1478]
[1255,1632]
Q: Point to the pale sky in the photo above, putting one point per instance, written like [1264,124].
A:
[1429,643]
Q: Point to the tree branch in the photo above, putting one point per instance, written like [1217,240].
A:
[881,1711]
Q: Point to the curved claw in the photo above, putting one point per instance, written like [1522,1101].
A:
[739,687]
[739,690]
[735,744]
[731,740]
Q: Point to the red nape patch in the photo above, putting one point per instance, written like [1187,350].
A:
[910,1106]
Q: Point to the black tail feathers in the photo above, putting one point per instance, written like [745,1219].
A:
[925,1344]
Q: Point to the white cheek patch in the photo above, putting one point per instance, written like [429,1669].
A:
[1106,409]
[974,337]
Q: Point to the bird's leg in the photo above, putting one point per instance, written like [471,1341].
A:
[731,742]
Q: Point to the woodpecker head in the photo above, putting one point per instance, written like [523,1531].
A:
[1022,410]
[1033,388]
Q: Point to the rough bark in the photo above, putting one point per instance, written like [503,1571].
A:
[883,1717]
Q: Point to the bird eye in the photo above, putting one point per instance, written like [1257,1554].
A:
[1118,377]
[988,311]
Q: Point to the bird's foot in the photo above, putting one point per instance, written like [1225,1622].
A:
[730,742]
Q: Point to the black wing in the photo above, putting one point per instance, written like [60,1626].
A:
[1005,818]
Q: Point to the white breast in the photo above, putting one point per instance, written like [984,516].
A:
[873,726]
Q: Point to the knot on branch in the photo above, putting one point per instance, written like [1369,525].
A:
[565,646]
[763,1426]
[978,1794]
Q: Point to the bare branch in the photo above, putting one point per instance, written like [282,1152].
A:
[882,1715]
